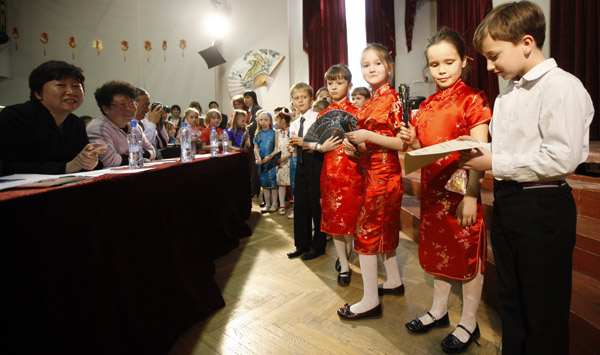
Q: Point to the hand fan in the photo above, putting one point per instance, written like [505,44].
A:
[331,123]
[273,162]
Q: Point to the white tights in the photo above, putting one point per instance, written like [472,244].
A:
[471,297]
[368,268]
[282,190]
[270,196]
[343,246]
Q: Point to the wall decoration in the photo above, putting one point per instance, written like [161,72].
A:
[148,48]
[182,45]
[15,34]
[44,39]
[164,48]
[97,45]
[73,45]
[124,48]
[252,70]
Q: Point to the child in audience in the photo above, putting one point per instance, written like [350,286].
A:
[192,117]
[320,105]
[540,134]
[264,149]
[281,145]
[341,178]
[212,119]
[322,93]
[238,129]
[378,225]
[450,221]
[360,95]
[171,131]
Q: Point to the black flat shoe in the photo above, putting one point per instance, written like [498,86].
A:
[399,291]
[346,313]
[344,278]
[452,345]
[338,267]
[416,326]
[296,253]
[312,254]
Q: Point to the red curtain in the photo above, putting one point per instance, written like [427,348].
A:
[324,37]
[463,16]
[381,28]
[410,10]
[574,35]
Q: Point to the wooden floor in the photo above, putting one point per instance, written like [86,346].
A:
[275,305]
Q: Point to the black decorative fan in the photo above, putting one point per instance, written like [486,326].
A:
[332,123]
[404,90]
[273,162]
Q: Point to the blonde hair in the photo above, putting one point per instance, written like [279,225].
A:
[236,115]
[384,55]
[302,87]
[188,112]
[209,114]
[258,114]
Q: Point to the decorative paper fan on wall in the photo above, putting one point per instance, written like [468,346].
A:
[252,70]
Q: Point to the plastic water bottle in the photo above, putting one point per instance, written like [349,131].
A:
[214,143]
[225,143]
[136,151]
[185,137]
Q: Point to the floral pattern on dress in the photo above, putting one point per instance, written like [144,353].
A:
[341,185]
[283,170]
[444,116]
[378,225]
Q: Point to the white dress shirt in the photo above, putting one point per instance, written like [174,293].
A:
[540,126]
[152,133]
[310,117]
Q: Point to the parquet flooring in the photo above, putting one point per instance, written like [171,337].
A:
[275,305]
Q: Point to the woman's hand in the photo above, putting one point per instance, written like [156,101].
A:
[466,212]
[360,136]
[331,144]
[87,159]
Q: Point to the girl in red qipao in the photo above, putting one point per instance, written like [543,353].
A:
[378,226]
[341,178]
[452,234]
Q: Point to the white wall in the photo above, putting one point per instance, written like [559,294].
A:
[272,24]
[176,80]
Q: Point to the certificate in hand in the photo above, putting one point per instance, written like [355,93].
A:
[417,159]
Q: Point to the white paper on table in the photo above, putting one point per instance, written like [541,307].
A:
[126,170]
[417,159]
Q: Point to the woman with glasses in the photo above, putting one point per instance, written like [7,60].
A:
[116,100]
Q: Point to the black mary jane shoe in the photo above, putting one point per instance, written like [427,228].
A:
[346,313]
[344,278]
[338,266]
[416,326]
[452,345]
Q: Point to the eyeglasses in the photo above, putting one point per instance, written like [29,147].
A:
[123,105]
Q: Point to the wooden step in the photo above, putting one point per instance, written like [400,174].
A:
[585,315]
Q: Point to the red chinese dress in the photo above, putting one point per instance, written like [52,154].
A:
[446,249]
[205,135]
[341,185]
[378,224]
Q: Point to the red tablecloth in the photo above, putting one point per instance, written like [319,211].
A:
[120,264]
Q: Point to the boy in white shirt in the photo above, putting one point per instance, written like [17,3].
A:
[540,134]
